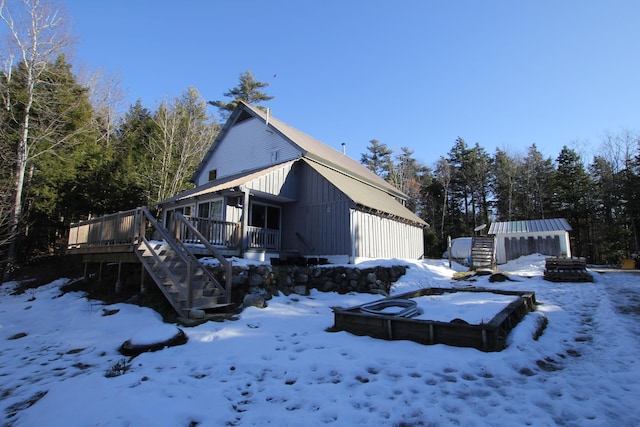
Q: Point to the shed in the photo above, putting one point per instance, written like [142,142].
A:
[518,238]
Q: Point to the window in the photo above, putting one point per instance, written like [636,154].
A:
[211,210]
[216,210]
[203,210]
[213,174]
[265,216]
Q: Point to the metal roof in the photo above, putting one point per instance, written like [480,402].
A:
[310,147]
[530,226]
[364,194]
[225,183]
[359,191]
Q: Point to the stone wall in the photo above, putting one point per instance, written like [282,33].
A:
[261,282]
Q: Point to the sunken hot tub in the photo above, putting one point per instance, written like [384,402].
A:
[470,317]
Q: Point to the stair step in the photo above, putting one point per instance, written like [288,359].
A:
[205,303]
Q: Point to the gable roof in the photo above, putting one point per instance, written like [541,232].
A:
[225,183]
[530,226]
[310,147]
[361,193]
[365,195]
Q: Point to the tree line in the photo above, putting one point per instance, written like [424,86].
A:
[68,153]
[469,188]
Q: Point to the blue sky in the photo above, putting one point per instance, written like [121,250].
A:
[419,74]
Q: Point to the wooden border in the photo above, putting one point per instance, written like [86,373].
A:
[489,336]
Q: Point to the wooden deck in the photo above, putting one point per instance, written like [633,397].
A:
[169,259]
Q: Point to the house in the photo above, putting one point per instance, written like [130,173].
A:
[518,238]
[267,190]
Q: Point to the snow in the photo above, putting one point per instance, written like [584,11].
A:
[279,366]
[472,307]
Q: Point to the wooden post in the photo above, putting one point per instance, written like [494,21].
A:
[119,281]
[244,240]
[143,287]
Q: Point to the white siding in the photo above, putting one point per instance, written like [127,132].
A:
[246,146]
[376,237]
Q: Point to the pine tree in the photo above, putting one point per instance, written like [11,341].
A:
[378,158]
[248,90]
[534,186]
[573,197]
[506,170]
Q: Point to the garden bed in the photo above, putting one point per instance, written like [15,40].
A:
[475,317]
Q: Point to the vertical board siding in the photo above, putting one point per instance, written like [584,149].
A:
[377,237]
[280,182]
[516,247]
[247,145]
[320,216]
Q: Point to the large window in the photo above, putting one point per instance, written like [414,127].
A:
[211,210]
[265,216]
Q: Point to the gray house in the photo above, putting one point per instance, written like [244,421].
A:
[544,236]
[267,190]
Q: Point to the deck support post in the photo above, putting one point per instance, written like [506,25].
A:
[119,281]
[143,286]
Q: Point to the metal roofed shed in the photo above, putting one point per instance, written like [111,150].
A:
[518,238]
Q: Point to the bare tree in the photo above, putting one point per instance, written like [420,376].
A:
[37,34]
[107,98]
[185,131]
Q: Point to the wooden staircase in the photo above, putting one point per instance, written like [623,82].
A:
[186,283]
[483,252]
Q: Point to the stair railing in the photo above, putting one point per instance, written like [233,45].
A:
[225,263]
[144,217]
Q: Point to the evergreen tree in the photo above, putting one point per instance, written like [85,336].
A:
[573,197]
[470,183]
[506,171]
[37,35]
[64,152]
[378,159]
[441,191]
[534,186]
[610,234]
[130,186]
[248,90]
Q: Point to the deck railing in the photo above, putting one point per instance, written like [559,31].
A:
[120,229]
[126,228]
[108,230]
[263,238]
[217,233]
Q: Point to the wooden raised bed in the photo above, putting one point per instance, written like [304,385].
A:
[490,336]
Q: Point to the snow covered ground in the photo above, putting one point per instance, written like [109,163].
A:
[59,363]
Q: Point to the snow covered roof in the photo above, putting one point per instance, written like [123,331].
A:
[530,226]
